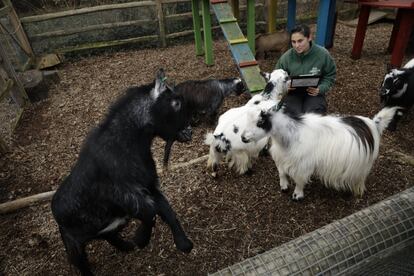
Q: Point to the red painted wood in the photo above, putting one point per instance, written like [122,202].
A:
[407,4]
[403,25]
[395,29]
[247,63]
[360,31]
[406,25]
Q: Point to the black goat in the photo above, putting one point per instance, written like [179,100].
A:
[203,98]
[115,178]
[397,89]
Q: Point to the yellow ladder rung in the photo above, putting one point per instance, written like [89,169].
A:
[238,40]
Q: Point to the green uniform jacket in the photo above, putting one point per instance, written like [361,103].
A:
[316,61]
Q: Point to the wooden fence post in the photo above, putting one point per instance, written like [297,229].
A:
[17,91]
[18,31]
[161,23]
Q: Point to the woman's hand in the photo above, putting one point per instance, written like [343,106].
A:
[313,91]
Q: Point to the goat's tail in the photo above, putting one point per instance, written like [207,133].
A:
[209,139]
[383,118]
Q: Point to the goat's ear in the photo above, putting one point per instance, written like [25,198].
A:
[160,84]
[265,75]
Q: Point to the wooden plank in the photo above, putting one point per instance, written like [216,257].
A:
[17,92]
[174,1]
[248,63]
[92,28]
[18,30]
[254,81]
[96,45]
[4,11]
[241,52]
[232,31]
[227,20]
[374,16]
[407,4]
[238,41]
[223,11]
[48,16]
[6,89]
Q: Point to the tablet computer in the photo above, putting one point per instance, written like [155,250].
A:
[305,81]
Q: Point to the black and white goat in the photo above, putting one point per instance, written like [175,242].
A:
[225,141]
[115,179]
[339,150]
[203,98]
[397,89]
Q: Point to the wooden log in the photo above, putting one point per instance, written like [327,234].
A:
[14,205]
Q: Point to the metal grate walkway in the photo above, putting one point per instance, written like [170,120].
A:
[350,246]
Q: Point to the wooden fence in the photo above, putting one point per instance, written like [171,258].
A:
[155,22]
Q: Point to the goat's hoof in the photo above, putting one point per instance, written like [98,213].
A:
[142,237]
[284,190]
[126,246]
[297,198]
[142,242]
[249,172]
[184,245]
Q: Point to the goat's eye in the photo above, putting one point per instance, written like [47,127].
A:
[176,105]
[398,83]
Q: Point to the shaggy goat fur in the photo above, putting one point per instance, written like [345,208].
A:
[115,179]
[397,89]
[339,150]
[226,141]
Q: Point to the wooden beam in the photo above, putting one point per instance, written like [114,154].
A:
[14,205]
[18,30]
[92,28]
[48,16]
[17,92]
[161,23]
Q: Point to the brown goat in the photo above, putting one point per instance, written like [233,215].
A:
[277,42]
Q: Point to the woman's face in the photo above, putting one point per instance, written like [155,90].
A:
[300,43]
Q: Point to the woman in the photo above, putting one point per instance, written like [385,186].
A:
[307,58]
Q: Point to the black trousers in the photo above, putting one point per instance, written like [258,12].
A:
[299,101]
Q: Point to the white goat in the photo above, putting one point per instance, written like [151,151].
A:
[339,150]
[226,141]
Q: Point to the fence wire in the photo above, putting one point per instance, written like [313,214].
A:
[384,231]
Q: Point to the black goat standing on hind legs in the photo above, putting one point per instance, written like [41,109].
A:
[115,178]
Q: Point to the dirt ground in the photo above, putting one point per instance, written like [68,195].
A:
[228,219]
